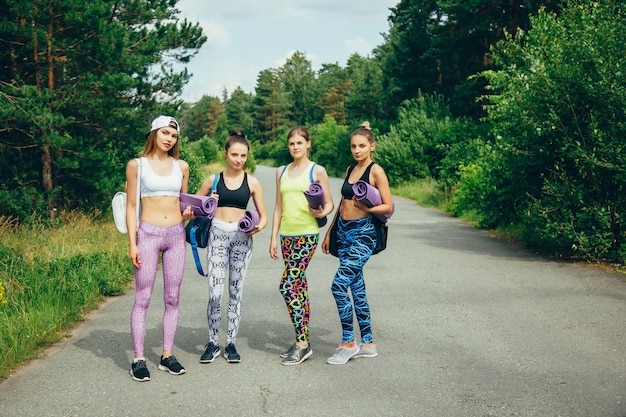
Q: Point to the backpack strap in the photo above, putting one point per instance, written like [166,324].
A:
[138,194]
[283,171]
[192,237]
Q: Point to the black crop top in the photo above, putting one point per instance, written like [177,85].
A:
[233,198]
[346,188]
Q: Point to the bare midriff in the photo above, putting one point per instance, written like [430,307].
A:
[228,214]
[349,212]
[161,211]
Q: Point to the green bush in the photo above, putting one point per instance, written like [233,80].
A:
[419,141]
[557,112]
[330,146]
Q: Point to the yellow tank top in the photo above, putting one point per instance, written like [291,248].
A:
[296,219]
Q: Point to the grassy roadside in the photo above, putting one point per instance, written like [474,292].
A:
[50,276]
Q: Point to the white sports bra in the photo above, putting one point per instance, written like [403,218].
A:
[154,185]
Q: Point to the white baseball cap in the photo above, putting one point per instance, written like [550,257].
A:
[165,121]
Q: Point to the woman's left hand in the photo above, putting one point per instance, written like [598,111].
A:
[188,214]
[318,212]
[360,205]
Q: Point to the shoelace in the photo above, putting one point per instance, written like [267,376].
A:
[171,361]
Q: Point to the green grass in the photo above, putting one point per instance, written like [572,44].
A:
[427,193]
[51,274]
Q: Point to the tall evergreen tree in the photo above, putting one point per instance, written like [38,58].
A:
[239,110]
[332,83]
[271,105]
[433,46]
[79,80]
[298,79]
[201,118]
[363,98]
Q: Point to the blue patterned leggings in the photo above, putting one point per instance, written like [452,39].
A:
[356,240]
[229,250]
[297,253]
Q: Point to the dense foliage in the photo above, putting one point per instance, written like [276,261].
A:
[515,110]
[559,120]
[79,83]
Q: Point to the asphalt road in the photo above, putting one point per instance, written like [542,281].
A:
[466,325]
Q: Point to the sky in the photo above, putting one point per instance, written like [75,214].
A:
[245,37]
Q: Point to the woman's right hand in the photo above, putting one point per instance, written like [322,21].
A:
[135,256]
[326,243]
[273,249]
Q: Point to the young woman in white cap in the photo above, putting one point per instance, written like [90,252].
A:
[160,232]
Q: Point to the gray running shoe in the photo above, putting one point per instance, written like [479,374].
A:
[366,353]
[288,351]
[298,355]
[342,355]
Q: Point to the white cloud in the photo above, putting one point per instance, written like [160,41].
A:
[215,32]
[245,37]
[360,46]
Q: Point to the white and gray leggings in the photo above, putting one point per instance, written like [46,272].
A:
[228,250]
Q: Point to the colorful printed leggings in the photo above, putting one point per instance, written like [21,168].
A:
[153,240]
[356,240]
[297,253]
[229,249]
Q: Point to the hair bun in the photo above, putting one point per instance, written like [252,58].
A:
[366,125]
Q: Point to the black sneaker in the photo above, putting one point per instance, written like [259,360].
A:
[211,352]
[171,365]
[231,355]
[139,371]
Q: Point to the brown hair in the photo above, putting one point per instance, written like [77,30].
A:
[299,130]
[236,136]
[150,145]
[364,130]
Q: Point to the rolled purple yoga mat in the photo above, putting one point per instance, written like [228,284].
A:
[201,205]
[370,196]
[315,196]
[249,220]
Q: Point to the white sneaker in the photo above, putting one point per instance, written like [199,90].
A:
[343,355]
[366,353]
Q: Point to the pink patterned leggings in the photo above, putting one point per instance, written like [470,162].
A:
[151,241]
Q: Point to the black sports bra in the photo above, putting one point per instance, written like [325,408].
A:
[346,188]
[233,198]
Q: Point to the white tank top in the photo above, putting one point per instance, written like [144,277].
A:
[154,185]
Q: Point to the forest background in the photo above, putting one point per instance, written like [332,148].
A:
[510,114]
